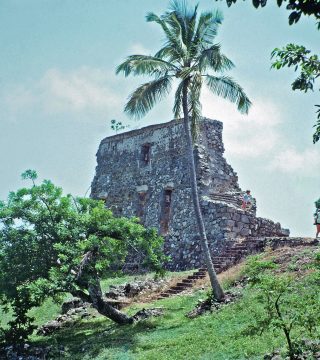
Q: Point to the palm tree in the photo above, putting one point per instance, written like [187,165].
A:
[188,55]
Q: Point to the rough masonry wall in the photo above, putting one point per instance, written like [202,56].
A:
[145,173]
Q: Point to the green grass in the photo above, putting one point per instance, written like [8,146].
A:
[172,336]
[221,335]
[49,309]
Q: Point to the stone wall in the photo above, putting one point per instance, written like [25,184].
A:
[145,173]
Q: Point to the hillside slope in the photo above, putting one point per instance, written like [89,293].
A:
[220,334]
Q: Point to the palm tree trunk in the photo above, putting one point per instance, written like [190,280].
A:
[216,288]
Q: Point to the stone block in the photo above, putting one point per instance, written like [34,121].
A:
[245,219]
[245,232]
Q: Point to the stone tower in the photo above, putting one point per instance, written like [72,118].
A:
[145,173]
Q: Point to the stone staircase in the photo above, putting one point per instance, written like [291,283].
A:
[232,198]
[227,198]
[232,254]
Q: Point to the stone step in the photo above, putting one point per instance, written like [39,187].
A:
[237,247]
[185,284]
[233,253]
[202,269]
[200,273]
[178,288]
[172,291]
[187,281]
[164,295]
[194,277]
[217,259]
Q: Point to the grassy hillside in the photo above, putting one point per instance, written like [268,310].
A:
[222,334]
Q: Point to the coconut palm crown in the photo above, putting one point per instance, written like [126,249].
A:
[189,56]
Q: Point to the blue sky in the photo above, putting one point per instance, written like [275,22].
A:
[59,91]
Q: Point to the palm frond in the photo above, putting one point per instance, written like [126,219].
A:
[174,41]
[178,29]
[177,106]
[146,96]
[207,28]
[225,87]
[213,59]
[186,17]
[167,53]
[144,65]
[185,72]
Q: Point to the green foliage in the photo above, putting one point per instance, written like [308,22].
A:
[189,55]
[290,305]
[297,8]
[255,268]
[173,336]
[46,239]
[317,203]
[297,55]
[29,174]
[309,66]
[117,125]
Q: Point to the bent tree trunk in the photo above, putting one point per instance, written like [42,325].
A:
[216,288]
[88,278]
[103,307]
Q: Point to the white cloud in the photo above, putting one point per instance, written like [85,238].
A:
[138,49]
[290,160]
[18,97]
[252,135]
[82,89]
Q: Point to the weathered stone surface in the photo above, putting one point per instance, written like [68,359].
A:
[71,304]
[132,289]
[64,320]
[145,173]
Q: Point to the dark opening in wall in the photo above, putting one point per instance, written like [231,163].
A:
[165,211]
[142,197]
[146,153]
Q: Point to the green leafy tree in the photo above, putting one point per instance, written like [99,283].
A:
[191,57]
[51,244]
[308,64]
[297,8]
[294,55]
[317,203]
[289,305]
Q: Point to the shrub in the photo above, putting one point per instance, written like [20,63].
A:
[51,244]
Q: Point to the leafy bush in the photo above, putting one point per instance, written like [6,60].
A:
[289,304]
[51,244]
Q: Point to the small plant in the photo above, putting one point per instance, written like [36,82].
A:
[289,305]
[117,125]
[255,268]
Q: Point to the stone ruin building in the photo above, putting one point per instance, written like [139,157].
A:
[145,173]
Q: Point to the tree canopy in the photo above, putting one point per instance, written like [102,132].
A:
[297,55]
[297,8]
[189,54]
[52,244]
